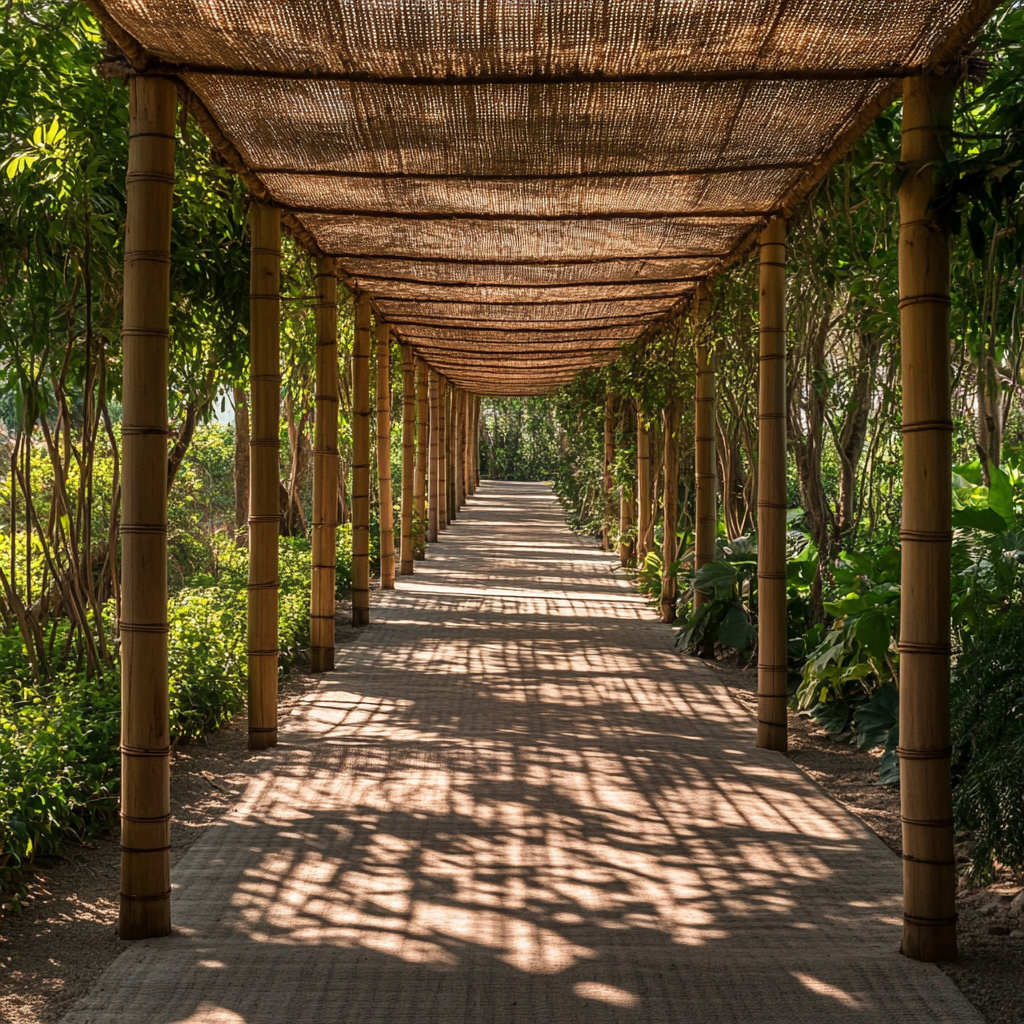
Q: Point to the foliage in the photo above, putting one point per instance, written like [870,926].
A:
[987,712]
[517,439]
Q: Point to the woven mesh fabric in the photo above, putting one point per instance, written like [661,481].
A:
[532,176]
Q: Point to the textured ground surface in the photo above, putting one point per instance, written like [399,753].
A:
[514,801]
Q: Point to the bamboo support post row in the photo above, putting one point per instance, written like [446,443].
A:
[609,459]
[434,498]
[929,880]
[422,462]
[442,453]
[408,460]
[264,470]
[670,540]
[705,468]
[386,519]
[361,464]
[325,470]
[145,901]
[644,494]
[771,493]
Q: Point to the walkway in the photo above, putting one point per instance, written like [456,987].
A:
[515,802]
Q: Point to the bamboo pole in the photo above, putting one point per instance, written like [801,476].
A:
[771,493]
[929,880]
[387,509]
[422,461]
[458,422]
[408,459]
[325,469]
[644,496]
[434,500]
[609,459]
[442,453]
[474,440]
[264,474]
[626,546]
[450,429]
[361,464]
[670,541]
[145,908]
[706,497]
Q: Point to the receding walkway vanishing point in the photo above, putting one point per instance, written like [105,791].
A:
[514,801]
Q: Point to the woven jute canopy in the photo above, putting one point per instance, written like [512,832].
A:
[526,185]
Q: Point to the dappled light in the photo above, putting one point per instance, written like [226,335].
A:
[507,807]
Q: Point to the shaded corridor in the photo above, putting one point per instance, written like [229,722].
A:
[514,801]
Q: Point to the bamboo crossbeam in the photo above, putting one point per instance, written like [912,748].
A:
[386,512]
[145,902]
[443,518]
[644,494]
[609,459]
[434,499]
[422,461]
[408,461]
[325,469]
[705,463]
[771,493]
[670,542]
[361,463]
[929,879]
[264,471]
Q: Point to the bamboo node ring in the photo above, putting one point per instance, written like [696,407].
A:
[265,519]
[934,863]
[265,296]
[924,755]
[927,537]
[271,378]
[930,922]
[151,528]
[145,431]
[913,300]
[146,256]
[263,250]
[135,819]
[263,654]
[772,576]
[940,823]
[943,425]
[149,896]
[262,728]
[910,647]
[145,751]
[133,627]
[140,849]
[264,442]
[772,504]
[164,179]
[271,585]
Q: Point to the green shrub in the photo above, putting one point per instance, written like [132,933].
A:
[987,717]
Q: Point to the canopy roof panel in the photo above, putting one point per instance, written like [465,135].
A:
[515,179]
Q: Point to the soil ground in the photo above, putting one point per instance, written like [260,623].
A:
[990,970]
[64,937]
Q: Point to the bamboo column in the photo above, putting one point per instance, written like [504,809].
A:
[422,461]
[442,453]
[264,472]
[626,547]
[449,451]
[361,464]
[145,910]
[408,458]
[706,498]
[644,497]
[458,405]
[929,880]
[325,470]
[434,499]
[387,508]
[771,493]
[609,459]
[670,542]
